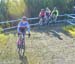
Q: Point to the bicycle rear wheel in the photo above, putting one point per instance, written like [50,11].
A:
[21,47]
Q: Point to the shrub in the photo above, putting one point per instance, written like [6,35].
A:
[3,39]
[8,24]
[70,29]
[1,30]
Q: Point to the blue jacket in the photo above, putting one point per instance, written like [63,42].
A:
[23,24]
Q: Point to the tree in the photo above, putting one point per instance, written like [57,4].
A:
[16,8]
[13,9]
[3,10]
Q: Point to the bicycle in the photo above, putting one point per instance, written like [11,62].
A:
[47,20]
[21,45]
[42,21]
[53,18]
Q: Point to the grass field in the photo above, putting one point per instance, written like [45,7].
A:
[43,47]
[70,29]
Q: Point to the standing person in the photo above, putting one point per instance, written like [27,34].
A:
[42,16]
[54,14]
[48,15]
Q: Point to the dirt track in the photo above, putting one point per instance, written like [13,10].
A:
[45,47]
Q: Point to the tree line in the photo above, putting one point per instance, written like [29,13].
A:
[14,9]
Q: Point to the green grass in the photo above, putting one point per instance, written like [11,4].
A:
[70,29]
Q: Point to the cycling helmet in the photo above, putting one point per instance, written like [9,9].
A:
[24,18]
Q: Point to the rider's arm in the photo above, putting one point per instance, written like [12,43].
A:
[52,13]
[28,27]
[57,12]
[18,30]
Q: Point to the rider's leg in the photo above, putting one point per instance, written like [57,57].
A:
[18,41]
[18,49]
[40,22]
[45,20]
[55,19]
[23,46]
[48,20]
[51,19]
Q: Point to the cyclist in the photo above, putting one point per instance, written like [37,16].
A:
[48,15]
[21,29]
[42,16]
[54,14]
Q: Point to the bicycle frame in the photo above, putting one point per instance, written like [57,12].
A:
[21,46]
[54,18]
[42,20]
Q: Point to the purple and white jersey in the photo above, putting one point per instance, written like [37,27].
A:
[23,24]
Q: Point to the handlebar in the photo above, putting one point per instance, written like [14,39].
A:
[25,34]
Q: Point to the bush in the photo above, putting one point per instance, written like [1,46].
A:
[3,39]
[70,29]
[7,24]
[1,30]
